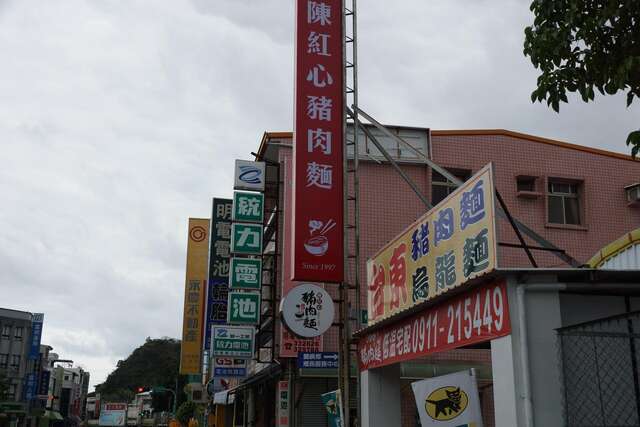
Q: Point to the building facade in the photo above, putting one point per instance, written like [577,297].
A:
[572,196]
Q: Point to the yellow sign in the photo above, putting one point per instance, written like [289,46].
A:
[446,403]
[194,296]
[452,243]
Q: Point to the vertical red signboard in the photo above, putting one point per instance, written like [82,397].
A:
[318,146]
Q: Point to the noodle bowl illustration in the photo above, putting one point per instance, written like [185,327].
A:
[318,245]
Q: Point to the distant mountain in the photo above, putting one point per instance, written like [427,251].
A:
[153,364]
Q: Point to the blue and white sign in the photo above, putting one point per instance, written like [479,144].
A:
[36,335]
[249,175]
[30,386]
[229,367]
[322,360]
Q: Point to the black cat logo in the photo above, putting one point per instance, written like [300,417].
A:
[446,403]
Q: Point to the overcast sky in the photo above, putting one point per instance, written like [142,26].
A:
[119,119]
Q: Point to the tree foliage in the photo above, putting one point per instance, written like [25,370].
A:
[185,412]
[153,364]
[582,46]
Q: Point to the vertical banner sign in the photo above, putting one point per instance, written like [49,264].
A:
[36,335]
[449,400]
[449,245]
[194,296]
[332,402]
[290,345]
[283,404]
[318,145]
[218,266]
[43,385]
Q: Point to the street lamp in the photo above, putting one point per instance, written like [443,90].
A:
[161,389]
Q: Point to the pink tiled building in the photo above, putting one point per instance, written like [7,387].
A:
[573,196]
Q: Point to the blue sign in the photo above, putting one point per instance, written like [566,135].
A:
[43,385]
[322,360]
[36,335]
[30,387]
[229,367]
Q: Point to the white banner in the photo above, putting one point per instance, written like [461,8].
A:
[449,400]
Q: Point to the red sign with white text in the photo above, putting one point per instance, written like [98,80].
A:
[481,314]
[319,117]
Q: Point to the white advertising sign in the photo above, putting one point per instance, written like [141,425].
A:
[113,415]
[449,400]
[249,175]
[307,310]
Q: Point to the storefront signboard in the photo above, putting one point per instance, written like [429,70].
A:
[282,403]
[233,341]
[219,253]
[243,308]
[36,335]
[452,243]
[246,239]
[248,207]
[322,360]
[480,314]
[245,273]
[229,367]
[113,415]
[249,175]
[449,400]
[318,142]
[307,310]
[194,296]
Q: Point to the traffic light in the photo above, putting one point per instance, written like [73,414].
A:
[141,389]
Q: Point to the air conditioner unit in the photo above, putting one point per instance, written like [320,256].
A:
[633,194]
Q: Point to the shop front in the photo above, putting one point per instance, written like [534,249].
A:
[545,346]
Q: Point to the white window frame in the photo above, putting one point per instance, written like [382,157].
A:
[563,196]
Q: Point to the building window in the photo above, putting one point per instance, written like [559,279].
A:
[564,203]
[441,187]
[15,361]
[526,183]
[18,333]
[66,377]
[6,331]
[4,360]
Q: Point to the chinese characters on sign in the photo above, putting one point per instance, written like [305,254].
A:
[307,310]
[36,334]
[480,314]
[194,296]
[219,254]
[248,207]
[323,360]
[452,243]
[243,308]
[233,341]
[229,367]
[246,239]
[245,273]
[318,146]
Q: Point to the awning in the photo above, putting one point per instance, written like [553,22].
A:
[225,397]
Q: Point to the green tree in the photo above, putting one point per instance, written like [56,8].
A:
[579,46]
[153,364]
[185,412]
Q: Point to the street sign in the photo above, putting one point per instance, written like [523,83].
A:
[245,273]
[246,239]
[233,341]
[322,360]
[229,367]
[248,207]
[249,175]
[243,308]
[307,310]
